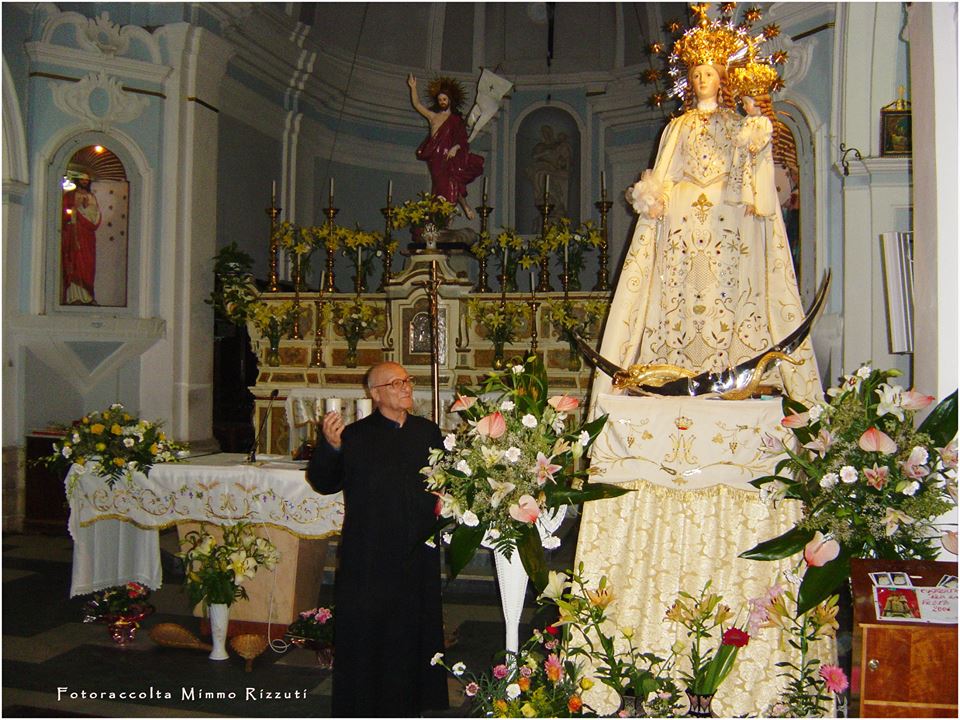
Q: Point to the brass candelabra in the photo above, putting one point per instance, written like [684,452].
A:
[482,281]
[316,358]
[331,212]
[543,285]
[273,212]
[297,279]
[388,213]
[603,206]
[534,304]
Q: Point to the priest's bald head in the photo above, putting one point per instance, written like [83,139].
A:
[391,388]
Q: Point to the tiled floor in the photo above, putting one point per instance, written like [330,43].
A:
[55,665]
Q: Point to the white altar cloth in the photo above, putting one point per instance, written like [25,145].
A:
[686,443]
[115,530]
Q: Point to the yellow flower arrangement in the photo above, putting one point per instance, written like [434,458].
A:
[356,319]
[274,319]
[499,322]
[428,209]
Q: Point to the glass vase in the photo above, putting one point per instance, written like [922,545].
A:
[351,358]
[499,363]
[273,352]
[573,359]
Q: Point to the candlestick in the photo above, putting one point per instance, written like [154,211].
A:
[546,189]
[533,285]
[485,189]
[273,191]
[331,190]
[389,191]
[359,269]
[603,185]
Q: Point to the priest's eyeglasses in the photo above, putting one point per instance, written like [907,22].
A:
[398,383]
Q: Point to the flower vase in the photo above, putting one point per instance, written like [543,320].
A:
[430,235]
[498,361]
[123,630]
[573,359]
[699,705]
[351,359]
[219,619]
[512,579]
[273,352]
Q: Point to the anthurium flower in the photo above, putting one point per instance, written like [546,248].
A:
[500,491]
[493,425]
[463,402]
[874,440]
[563,403]
[913,400]
[796,420]
[525,510]
[545,469]
[821,550]
[877,476]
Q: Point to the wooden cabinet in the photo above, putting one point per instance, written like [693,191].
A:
[905,669]
[46,500]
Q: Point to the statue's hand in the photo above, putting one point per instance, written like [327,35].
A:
[411,81]
[452,151]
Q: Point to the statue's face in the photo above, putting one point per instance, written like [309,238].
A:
[750,106]
[443,102]
[706,82]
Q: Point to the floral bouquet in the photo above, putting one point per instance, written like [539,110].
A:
[701,616]
[355,318]
[215,570]
[808,680]
[274,319]
[359,248]
[114,444]
[642,679]
[513,456]
[581,318]
[500,321]
[328,236]
[538,681]
[482,246]
[428,210]
[871,483]
[122,601]
[315,624]
[511,249]
[235,291]
[293,239]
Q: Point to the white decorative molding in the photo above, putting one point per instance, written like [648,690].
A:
[15,167]
[101,35]
[799,56]
[81,61]
[122,106]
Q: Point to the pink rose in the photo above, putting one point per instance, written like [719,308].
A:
[525,510]
[500,671]
[874,440]
[820,550]
[834,679]
[493,425]
[463,402]
[913,400]
[563,403]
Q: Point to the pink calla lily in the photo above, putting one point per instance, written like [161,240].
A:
[563,403]
[463,402]
[874,440]
[820,550]
[493,425]
[525,510]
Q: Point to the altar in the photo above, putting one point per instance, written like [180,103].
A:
[116,530]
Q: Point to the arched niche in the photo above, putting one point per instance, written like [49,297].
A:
[92,193]
[547,144]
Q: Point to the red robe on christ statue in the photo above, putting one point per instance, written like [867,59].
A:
[450,177]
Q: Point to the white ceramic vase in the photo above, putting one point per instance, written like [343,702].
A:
[219,619]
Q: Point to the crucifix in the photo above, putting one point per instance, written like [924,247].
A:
[431,286]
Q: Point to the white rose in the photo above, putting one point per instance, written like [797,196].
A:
[450,441]
[128,442]
[512,454]
[829,480]
[529,421]
[470,519]
[507,405]
[815,412]
[848,474]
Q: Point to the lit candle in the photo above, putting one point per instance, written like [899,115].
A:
[389,190]
[603,186]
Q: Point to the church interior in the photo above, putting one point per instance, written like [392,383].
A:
[219,216]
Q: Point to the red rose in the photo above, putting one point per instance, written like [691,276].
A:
[552,629]
[735,636]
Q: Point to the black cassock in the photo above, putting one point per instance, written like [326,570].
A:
[388,610]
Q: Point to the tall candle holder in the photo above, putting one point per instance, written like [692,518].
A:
[534,304]
[482,281]
[273,212]
[331,212]
[603,206]
[543,285]
[388,212]
[297,278]
[316,359]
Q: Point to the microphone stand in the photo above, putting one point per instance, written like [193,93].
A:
[252,457]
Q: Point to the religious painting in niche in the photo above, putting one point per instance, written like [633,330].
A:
[94,213]
[548,164]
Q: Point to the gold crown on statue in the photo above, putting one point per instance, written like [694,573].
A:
[754,79]
[709,43]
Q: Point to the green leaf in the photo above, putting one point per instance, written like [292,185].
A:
[941,423]
[531,555]
[463,546]
[783,546]
[557,496]
[819,583]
